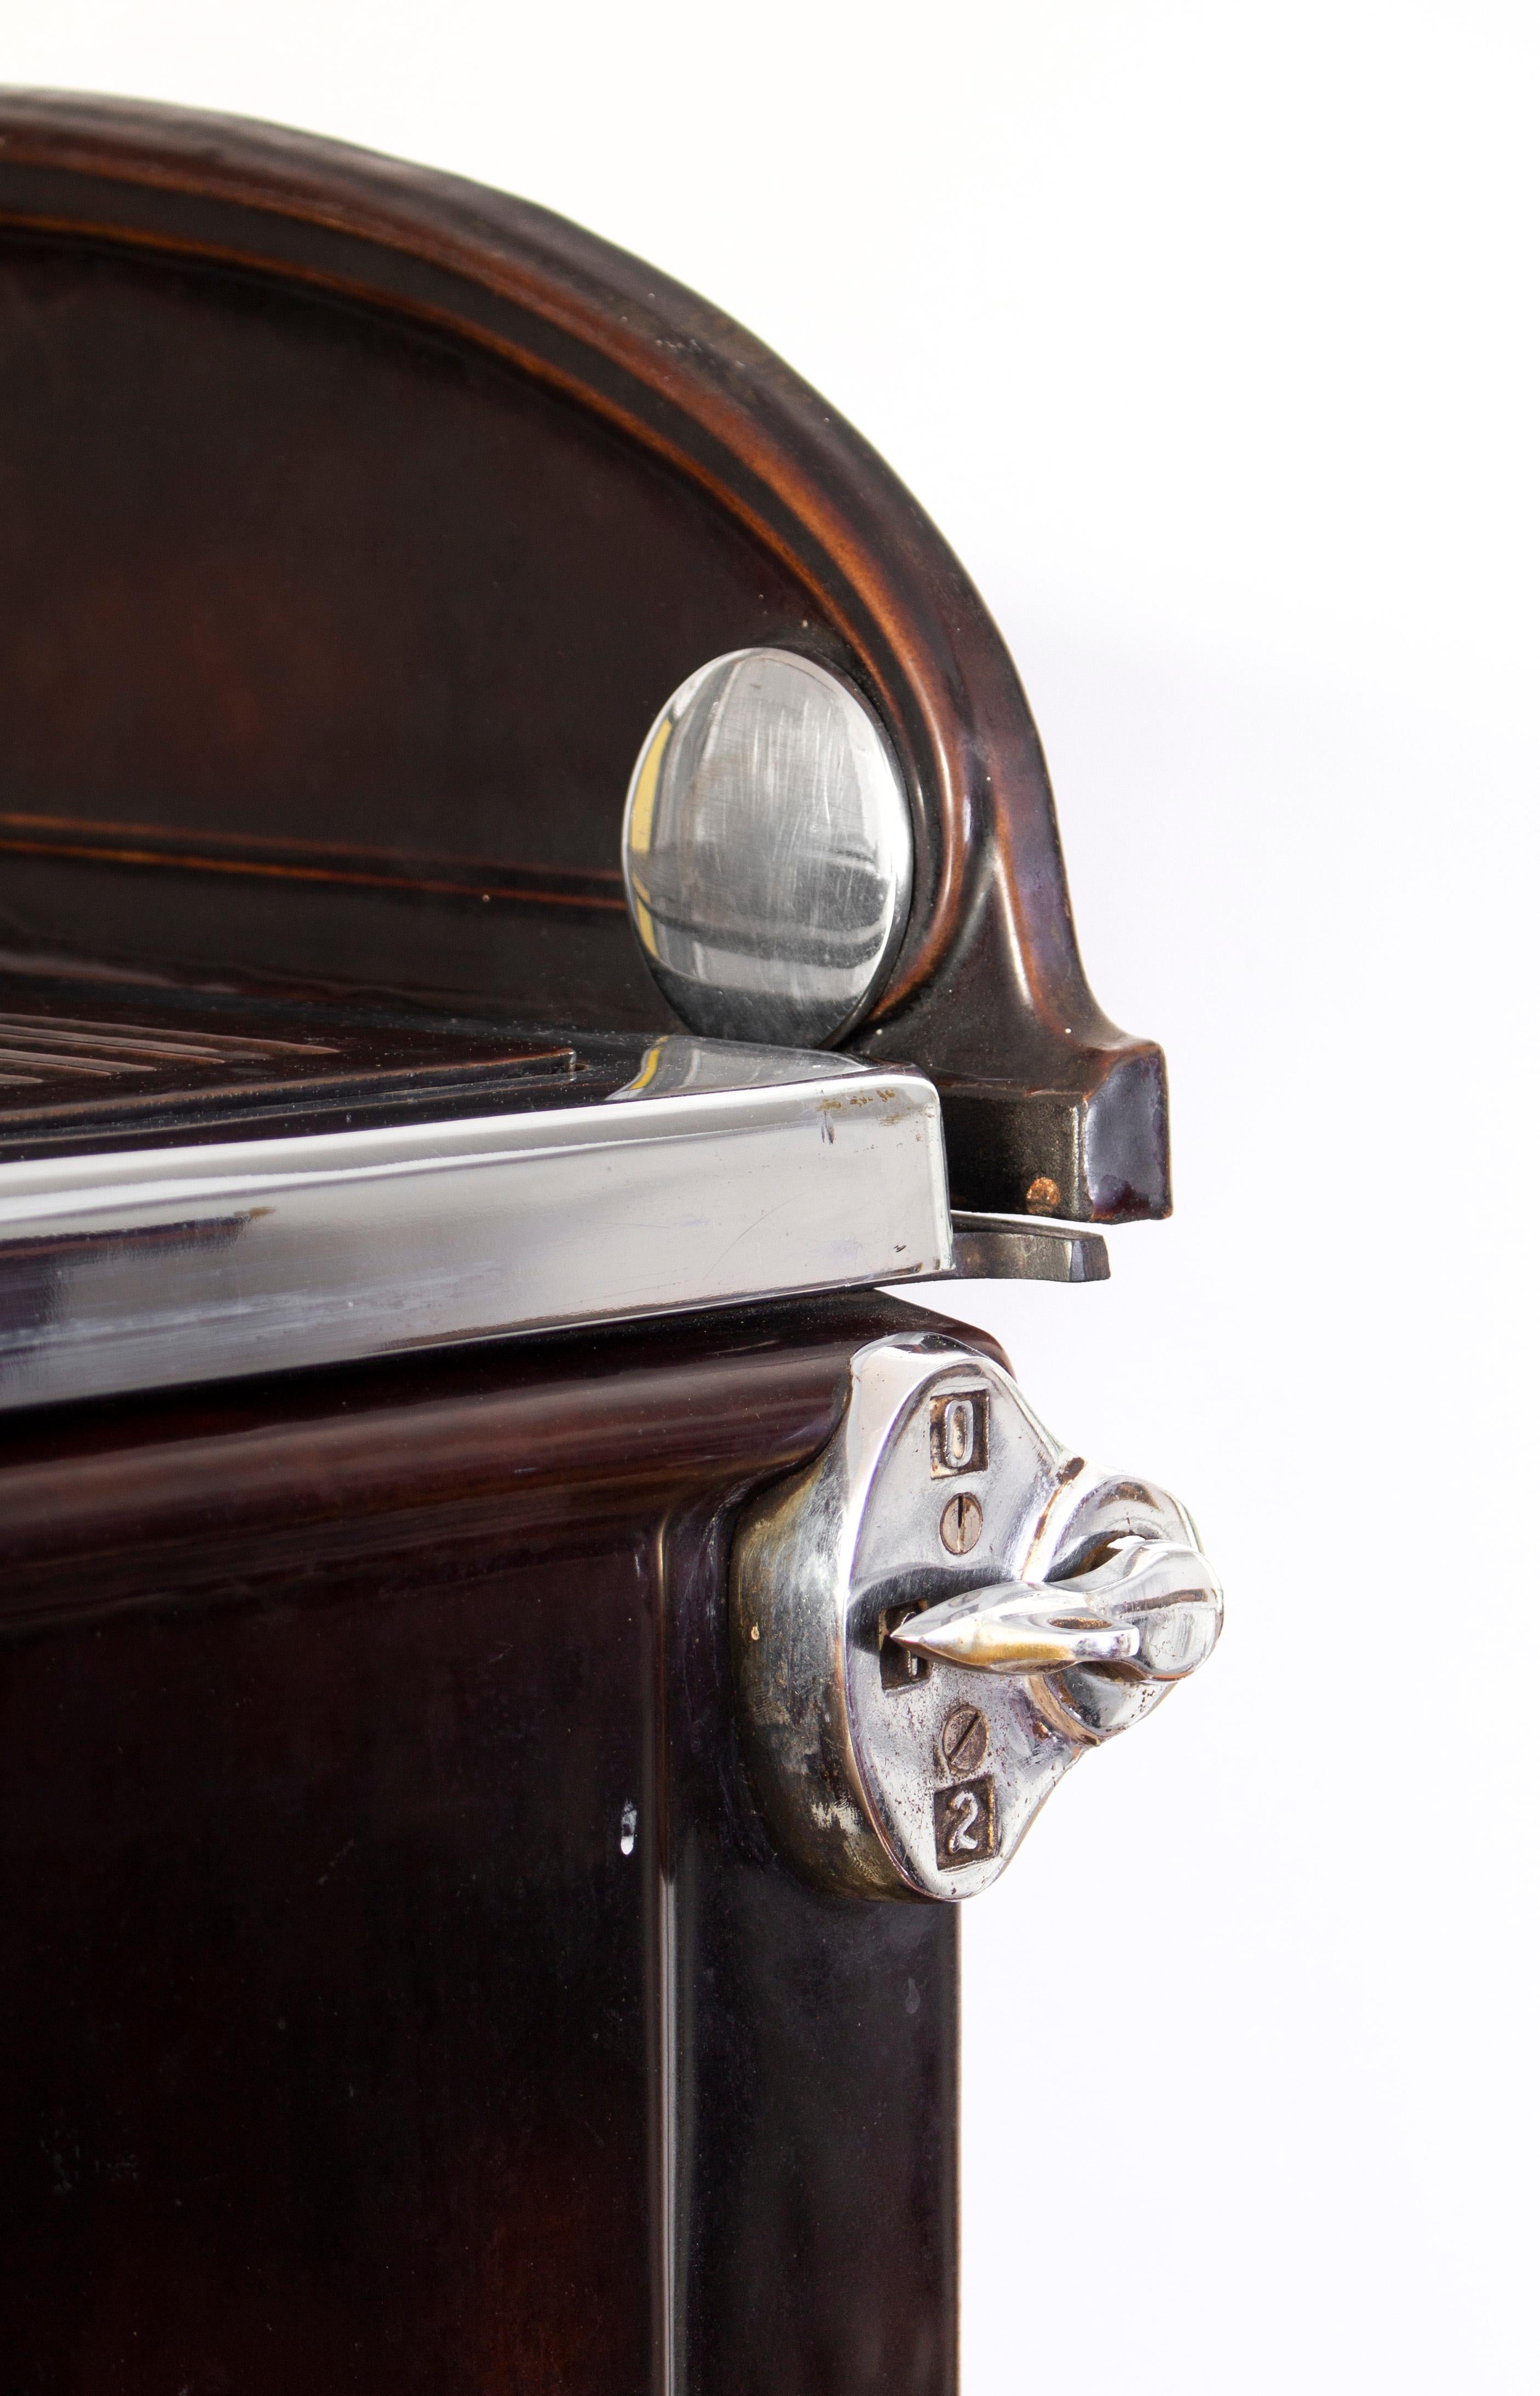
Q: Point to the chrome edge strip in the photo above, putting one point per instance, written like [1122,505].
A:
[728,1176]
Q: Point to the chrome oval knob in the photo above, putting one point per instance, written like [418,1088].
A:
[767,851]
[939,1616]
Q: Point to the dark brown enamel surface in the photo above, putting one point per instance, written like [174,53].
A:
[360,520]
[342,2042]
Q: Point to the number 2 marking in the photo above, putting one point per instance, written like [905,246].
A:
[960,1838]
[966,1829]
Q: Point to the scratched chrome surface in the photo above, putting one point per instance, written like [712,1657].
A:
[767,850]
[718,1173]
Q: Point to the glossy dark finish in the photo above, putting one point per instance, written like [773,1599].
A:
[342,2046]
[92,1066]
[358,522]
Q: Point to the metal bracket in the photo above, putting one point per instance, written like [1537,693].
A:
[1014,1247]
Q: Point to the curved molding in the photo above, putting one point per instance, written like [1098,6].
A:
[989,984]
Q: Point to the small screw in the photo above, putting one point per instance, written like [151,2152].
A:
[965,1739]
[962,1520]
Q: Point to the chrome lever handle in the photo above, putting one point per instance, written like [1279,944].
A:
[1148,1604]
[1017,1627]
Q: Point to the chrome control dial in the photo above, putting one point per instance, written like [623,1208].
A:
[935,1619]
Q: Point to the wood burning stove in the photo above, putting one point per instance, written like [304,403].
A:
[531,908]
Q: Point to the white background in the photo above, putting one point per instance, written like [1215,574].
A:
[1208,335]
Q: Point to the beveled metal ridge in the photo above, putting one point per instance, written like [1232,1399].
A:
[720,1174]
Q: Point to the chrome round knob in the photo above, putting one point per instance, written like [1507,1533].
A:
[768,852]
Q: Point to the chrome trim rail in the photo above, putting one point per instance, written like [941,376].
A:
[720,1174]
